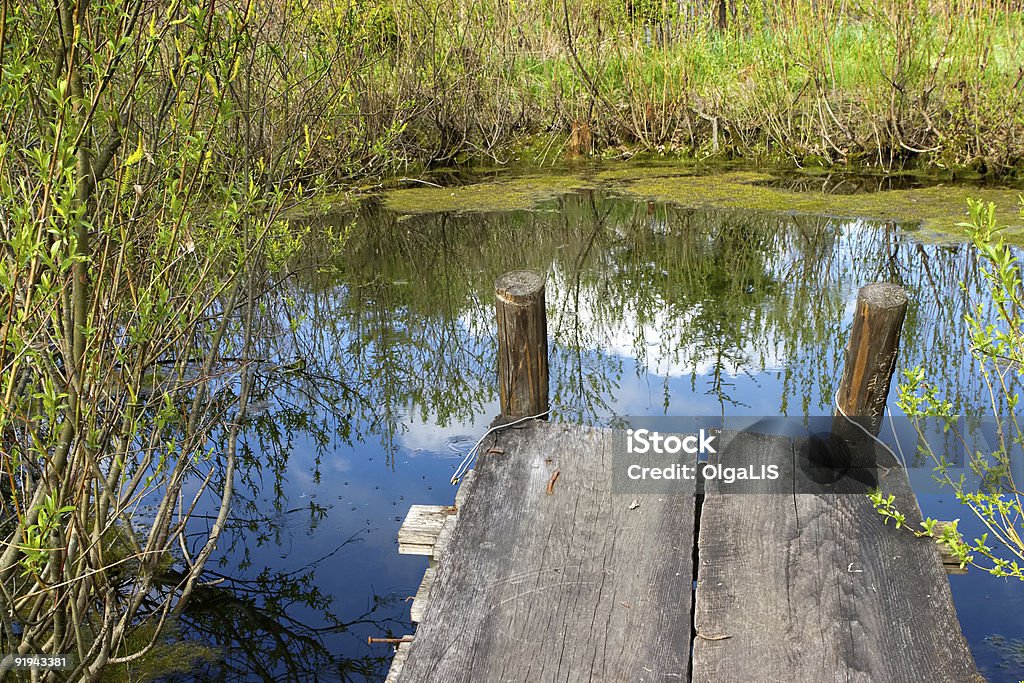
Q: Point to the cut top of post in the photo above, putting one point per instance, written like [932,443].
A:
[519,286]
[883,295]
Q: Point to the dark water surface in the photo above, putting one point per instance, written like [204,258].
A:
[653,310]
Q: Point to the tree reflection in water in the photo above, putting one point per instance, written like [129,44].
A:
[252,626]
[746,309]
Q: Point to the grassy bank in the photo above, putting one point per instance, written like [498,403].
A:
[389,86]
[339,90]
[885,84]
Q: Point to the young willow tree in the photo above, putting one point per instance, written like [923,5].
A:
[134,229]
[997,342]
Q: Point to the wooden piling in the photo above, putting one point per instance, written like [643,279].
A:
[522,344]
[870,358]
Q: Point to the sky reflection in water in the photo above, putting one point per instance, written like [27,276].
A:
[653,310]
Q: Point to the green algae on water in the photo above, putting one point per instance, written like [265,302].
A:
[933,211]
[502,195]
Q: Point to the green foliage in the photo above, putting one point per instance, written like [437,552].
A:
[379,86]
[135,238]
[149,149]
[997,340]
[49,519]
[885,505]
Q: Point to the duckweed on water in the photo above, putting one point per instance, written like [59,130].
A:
[933,211]
[503,195]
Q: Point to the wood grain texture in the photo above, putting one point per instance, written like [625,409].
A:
[464,487]
[522,344]
[444,537]
[419,603]
[398,662]
[814,587]
[572,586]
[422,525]
[870,357]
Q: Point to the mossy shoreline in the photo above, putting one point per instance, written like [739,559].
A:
[929,206]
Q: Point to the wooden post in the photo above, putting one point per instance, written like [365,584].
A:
[522,344]
[870,358]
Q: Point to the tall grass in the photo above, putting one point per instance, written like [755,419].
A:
[886,83]
[371,87]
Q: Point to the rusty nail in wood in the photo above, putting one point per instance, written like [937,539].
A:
[370,640]
[551,482]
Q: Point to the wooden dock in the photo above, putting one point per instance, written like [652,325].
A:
[542,572]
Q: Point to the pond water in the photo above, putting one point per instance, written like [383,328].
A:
[654,309]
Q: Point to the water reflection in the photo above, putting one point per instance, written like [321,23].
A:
[708,295]
[274,627]
[380,372]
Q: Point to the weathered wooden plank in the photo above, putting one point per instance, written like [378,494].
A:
[444,537]
[814,587]
[421,527]
[464,487]
[419,603]
[398,662]
[950,562]
[575,585]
